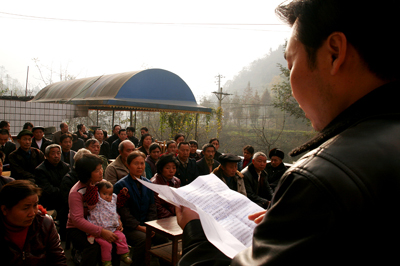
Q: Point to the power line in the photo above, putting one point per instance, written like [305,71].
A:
[145,23]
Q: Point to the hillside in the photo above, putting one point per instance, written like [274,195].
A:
[259,73]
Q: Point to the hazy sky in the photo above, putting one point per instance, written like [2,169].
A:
[197,40]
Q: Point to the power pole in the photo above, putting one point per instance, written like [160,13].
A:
[220,96]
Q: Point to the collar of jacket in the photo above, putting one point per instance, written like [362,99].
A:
[220,173]
[380,102]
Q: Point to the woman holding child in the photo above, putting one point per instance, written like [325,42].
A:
[90,172]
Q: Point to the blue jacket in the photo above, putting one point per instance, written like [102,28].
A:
[140,206]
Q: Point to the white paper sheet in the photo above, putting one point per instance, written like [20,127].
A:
[223,212]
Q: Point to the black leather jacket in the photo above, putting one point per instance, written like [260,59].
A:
[338,204]
[42,245]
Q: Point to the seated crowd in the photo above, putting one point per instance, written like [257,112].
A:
[90,182]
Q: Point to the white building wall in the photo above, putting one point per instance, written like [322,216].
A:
[39,114]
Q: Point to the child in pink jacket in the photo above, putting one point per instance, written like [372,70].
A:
[102,204]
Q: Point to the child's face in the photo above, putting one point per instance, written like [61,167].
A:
[106,193]
[193,148]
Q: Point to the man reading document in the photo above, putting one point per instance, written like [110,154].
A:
[337,205]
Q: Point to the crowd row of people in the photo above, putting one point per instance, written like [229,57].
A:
[82,185]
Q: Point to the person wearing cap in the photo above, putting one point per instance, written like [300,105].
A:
[227,172]
[25,159]
[276,168]
[39,141]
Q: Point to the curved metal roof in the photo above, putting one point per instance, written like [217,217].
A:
[146,90]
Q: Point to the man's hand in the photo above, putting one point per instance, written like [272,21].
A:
[143,229]
[185,215]
[257,217]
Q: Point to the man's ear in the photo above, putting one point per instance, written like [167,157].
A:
[337,47]
[3,210]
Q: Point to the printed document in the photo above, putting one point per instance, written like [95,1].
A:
[223,212]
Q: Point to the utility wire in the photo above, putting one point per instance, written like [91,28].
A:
[148,23]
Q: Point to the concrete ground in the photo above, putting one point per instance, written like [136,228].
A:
[154,261]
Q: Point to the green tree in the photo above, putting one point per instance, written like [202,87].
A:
[283,98]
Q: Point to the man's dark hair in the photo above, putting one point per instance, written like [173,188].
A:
[4,131]
[115,126]
[164,159]
[367,27]
[154,146]
[66,135]
[79,127]
[132,129]
[249,148]
[208,145]
[121,130]
[94,132]
[145,129]
[183,143]
[27,124]
[62,125]
[4,123]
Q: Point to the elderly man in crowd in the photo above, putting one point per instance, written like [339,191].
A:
[39,141]
[25,159]
[119,168]
[228,173]
[49,175]
[337,204]
[63,130]
[6,146]
[256,180]
[275,168]
[207,164]
[187,170]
